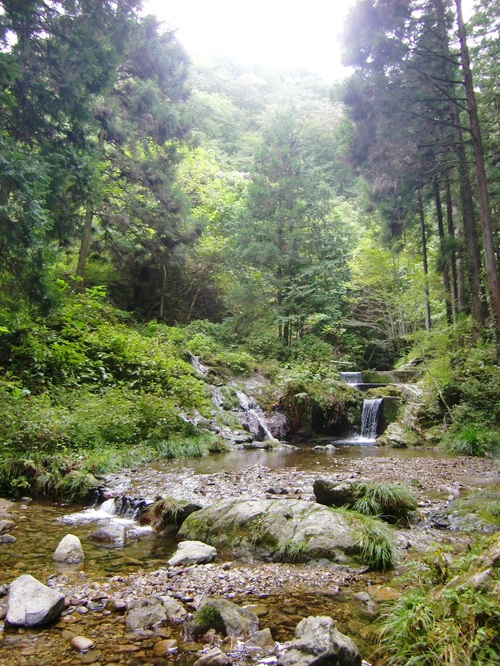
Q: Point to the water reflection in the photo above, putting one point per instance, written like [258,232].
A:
[303,457]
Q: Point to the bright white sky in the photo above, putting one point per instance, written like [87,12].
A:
[279,33]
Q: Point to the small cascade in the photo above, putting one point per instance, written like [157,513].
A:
[352,377]
[123,511]
[370,417]
[198,366]
[253,419]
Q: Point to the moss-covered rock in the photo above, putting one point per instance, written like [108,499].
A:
[292,530]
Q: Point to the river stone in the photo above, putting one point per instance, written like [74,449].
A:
[7,538]
[236,621]
[317,641]
[145,613]
[81,643]
[214,657]
[69,550]
[262,639]
[32,603]
[277,529]
[192,552]
[341,494]
[109,534]
[6,525]
[174,609]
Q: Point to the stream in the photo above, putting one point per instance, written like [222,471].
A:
[288,592]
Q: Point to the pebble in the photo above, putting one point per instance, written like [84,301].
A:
[163,647]
[91,657]
[81,643]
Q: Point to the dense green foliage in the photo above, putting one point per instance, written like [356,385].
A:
[152,209]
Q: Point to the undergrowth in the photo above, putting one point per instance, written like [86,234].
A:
[455,624]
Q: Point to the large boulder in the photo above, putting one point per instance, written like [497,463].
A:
[330,493]
[32,603]
[279,530]
[69,550]
[317,642]
[192,552]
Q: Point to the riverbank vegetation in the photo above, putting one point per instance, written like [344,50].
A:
[155,209]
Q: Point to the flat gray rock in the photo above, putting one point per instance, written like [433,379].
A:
[32,603]
[192,552]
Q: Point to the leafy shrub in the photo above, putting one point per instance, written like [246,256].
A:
[205,618]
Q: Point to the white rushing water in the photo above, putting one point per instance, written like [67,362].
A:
[370,417]
[105,514]
[352,377]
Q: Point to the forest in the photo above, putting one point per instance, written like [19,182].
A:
[159,210]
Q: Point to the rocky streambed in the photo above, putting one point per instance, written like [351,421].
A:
[98,600]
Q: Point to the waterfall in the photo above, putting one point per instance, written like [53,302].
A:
[198,366]
[255,421]
[352,377]
[370,417]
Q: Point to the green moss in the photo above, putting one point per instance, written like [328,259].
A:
[205,618]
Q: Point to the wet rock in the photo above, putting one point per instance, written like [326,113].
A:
[192,552]
[259,609]
[214,657]
[116,605]
[164,647]
[91,657]
[456,521]
[317,641]
[145,613]
[110,534]
[281,529]
[31,603]
[336,494]
[365,601]
[81,643]
[224,616]
[6,525]
[175,611]
[7,538]
[262,639]
[69,550]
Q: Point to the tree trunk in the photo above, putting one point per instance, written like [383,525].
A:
[492,277]
[456,304]
[85,245]
[467,202]
[424,262]
[87,227]
[444,259]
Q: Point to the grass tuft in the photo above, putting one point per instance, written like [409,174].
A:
[392,502]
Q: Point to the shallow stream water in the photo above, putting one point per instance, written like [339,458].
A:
[41,525]
[240,473]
